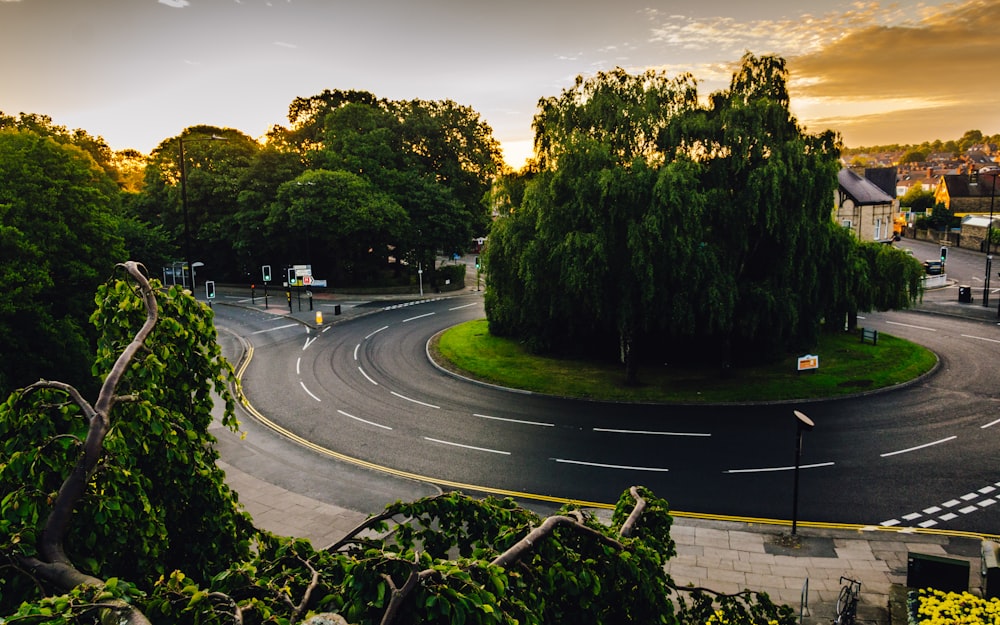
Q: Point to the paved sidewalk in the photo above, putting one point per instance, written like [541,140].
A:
[724,556]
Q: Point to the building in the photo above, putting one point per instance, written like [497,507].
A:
[963,194]
[867,205]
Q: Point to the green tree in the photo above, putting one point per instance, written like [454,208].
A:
[215,164]
[913,156]
[125,485]
[917,200]
[338,222]
[437,160]
[58,237]
[668,225]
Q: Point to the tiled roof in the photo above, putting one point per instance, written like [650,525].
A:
[861,190]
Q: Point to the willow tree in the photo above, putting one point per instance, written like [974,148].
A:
[592,220]
[669,225]
[769,185]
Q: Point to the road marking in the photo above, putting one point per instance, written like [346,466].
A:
[367,377]
[990,424]
[309,342]
[289,325]
[907,325]
[610,466]
[416,401]
[356,348]
[980,338]
[419,317]
[790,468]
[378,425]
[539,423]
[376,332]
[463,306]
[616,431]
[492,451]
[298,366]
[903,451]
[308,392]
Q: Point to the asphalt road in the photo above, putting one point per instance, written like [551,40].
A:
[365,388]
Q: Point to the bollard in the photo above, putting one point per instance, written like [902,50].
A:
[319,317]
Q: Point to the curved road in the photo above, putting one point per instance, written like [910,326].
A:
[920,456]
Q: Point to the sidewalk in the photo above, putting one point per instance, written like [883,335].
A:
[725,556]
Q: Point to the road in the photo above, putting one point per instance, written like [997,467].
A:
[921,455]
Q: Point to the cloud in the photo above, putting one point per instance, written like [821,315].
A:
[868,70]
[177,4]
[802,33]
[930,72]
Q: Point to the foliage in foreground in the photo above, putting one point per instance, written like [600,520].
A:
[114,511]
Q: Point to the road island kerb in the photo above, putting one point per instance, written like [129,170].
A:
[724,554]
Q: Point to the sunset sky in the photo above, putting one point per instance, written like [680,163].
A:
[136,72]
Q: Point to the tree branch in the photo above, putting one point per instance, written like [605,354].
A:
[640,505]
[300,609]
[397,595]
[525,545]
[51,540]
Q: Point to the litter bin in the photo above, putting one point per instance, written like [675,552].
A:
[990,561]
[965,294]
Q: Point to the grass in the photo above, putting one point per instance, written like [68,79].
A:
[846,366]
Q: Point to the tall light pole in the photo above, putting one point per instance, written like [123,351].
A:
[989,242]
[802,424]
[184,203]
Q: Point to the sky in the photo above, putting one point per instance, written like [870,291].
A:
[137,72]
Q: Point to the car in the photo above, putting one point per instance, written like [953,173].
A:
[933,267]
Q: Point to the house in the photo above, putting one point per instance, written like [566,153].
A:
[963,194]
[867,205]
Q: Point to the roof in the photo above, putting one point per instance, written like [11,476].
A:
[884,178]
[959,185]
[978,221]
[862,191]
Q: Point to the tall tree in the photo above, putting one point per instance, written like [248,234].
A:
[339,223]
[672,226]
[58,238]
[215,162]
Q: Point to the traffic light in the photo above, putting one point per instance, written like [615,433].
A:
[944,254]
[210,289]
[477,262]
[266,271]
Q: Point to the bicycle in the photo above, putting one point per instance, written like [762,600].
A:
[847,602]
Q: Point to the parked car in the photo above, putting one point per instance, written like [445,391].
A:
[933,267]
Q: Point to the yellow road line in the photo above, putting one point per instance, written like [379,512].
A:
[248,355]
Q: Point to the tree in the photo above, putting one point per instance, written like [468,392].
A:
[115,512]
[338,222]
[668,225]
[125,486]
[215,162]
[58,238]
[436,160]
[917,200]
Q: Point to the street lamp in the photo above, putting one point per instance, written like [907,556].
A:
[802,424]
[184,202]
[989,237]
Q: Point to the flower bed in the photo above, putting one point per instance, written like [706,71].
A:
[935,607]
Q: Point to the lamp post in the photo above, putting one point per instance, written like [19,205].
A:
[989,242]
[802,424]
[184,202]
